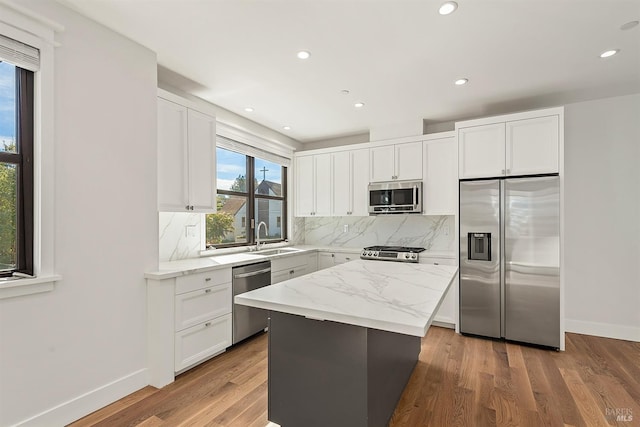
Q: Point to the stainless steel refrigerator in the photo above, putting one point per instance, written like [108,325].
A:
[510,259]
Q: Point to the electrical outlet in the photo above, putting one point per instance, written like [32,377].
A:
[190,230]
[345,228]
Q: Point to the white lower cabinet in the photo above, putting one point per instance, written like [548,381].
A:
[329,259]
[188,321]
[447,314]
[290,267]
[194,344]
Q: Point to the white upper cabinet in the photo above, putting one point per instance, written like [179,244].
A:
[440,176]
[396,162]
[481,151]
[350,179]
[313,185]
[186,159]
[517,144]
[532,146]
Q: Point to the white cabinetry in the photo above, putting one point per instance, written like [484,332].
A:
[289,267]
[516,144]
[329,259]
[440,176]
[188,321]
[186,158]
[350,179]
[313,185]
[447,313]
[396,162]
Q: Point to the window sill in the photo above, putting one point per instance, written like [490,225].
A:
[16,287]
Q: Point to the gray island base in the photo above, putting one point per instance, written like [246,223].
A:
[324,373]
[343,341]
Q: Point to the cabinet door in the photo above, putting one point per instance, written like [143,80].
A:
[304,191]
[202,161]
[481,151]
[382,167]
[360,182]
[408,160]
[532,146]
[172,157]
[322,169]
[341,183]
[325,260]
[194,344]
[440,178]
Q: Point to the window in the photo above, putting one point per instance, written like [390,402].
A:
[251,190]
[16,169]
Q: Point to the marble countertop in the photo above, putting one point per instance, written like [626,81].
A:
[391,296]
[170,269]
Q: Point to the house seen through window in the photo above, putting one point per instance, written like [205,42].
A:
[250,190]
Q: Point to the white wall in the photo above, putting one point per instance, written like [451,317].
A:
[602,217]
[70,351]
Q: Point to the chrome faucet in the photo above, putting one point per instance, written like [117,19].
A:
[266,231]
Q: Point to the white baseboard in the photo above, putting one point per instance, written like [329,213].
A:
[444,324]
[89,402]
[607,330]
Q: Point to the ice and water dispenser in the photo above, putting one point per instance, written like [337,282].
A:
[479,246]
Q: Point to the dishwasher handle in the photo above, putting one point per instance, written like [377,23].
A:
[253,273]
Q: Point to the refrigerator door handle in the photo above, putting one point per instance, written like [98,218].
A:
[501,254]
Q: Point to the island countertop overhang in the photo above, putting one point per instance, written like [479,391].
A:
[395,297]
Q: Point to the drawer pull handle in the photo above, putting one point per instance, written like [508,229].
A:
[207,279]
[206,325]
[206,291]
[292,271]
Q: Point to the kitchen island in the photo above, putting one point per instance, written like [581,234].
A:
[344,341]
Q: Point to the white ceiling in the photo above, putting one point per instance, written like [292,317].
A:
[399,57]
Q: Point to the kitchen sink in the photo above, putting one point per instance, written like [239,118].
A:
[276,251]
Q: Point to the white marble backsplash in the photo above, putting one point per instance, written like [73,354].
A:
[180,236]
[434,233]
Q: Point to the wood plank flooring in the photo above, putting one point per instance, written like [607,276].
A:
[458,381]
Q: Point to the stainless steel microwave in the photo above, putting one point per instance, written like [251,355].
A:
[395,197]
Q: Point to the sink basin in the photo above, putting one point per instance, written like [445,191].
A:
[276,251]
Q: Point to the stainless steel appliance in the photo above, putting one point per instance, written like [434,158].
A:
[391,253]
[510,259]
[248,320]
[395,197]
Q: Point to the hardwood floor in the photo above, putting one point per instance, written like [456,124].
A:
[458,381]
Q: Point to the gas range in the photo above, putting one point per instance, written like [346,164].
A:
[391,253]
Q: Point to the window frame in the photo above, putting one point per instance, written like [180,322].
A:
[252,197]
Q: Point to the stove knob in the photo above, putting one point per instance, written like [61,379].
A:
[414,256]
[375,254]
[406,256]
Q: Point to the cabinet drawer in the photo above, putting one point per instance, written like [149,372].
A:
[195,344]
[287,263]
[197,281]
[341,258]
[197,306]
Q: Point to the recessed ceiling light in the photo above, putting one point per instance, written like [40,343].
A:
[344,92]
[359,104]
[447,8]
[303,54]
[286,127]
[608,53]
[629,25]
[248,109]
[461,82]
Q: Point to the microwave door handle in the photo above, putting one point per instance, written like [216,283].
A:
[415,189]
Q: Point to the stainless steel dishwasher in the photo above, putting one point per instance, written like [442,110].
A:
[248,320]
